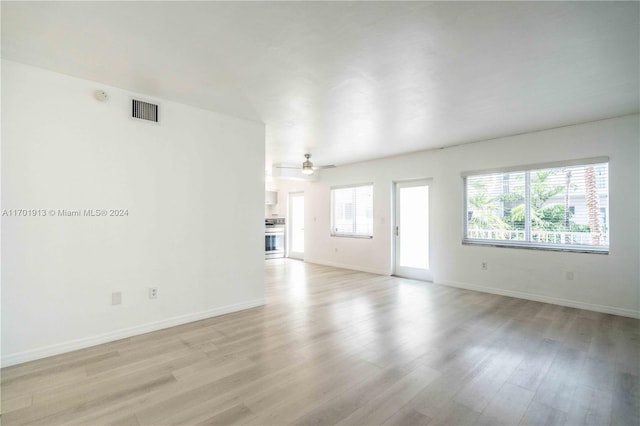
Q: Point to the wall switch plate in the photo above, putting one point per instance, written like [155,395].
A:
[569,275]
[153,292]
[116,298]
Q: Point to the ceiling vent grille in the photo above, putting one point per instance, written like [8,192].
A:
[144,111]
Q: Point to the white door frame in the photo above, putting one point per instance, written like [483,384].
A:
[291,253]
[412,273]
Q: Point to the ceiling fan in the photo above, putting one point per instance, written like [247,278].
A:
[307,166]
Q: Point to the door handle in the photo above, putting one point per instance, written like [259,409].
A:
[397,231]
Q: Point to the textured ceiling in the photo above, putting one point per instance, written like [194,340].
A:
[349,81]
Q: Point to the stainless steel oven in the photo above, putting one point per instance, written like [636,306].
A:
[274,238]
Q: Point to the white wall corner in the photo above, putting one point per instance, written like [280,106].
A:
[73,345]
[377,271]
[544,299]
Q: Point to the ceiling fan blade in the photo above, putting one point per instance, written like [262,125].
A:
[328,166]
[281,166]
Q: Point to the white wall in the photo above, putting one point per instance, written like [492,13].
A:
[194,189]
[602,282]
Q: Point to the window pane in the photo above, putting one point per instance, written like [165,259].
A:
[414,217]
[342,210]
[364,210]
[568,206]
[352,211]
[495,206]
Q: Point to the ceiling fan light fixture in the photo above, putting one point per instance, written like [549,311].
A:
[307,166]
[307,169]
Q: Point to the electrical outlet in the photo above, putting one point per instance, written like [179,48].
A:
[153,292]
[484,266]
[116,298]
[569,275]
[336,249]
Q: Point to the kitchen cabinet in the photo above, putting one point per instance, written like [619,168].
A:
[271,198]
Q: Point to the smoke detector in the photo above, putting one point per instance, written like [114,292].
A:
[101,95]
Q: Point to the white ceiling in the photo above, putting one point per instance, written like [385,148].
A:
[349,81]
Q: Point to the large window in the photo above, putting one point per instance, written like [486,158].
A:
[561,206]
[352,211]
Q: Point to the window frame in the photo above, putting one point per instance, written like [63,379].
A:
[529,244]
[332,231]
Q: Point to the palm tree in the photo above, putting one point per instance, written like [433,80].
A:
[543,217]
[567,186]
[592,204]
[485,212]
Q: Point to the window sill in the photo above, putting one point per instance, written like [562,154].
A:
[529,246]
[362,237]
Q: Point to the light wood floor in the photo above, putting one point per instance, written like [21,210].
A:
[341,347]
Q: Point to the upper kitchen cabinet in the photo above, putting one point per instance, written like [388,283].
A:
[271,198]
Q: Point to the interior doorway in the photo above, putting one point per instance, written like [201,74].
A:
[411,230]
[296,225]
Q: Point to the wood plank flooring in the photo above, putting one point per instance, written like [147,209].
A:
[348,348]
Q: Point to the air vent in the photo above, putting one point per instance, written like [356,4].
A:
[144,111]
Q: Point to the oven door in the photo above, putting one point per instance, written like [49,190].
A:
[273,243]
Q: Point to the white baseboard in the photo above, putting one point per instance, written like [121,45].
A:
[85,342]
[545,299]
[347,266]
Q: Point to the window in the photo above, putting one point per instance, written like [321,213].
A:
[562,206]
[352,211]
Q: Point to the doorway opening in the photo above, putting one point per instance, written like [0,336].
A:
[296,225]
[412,257]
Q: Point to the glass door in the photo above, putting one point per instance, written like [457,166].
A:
[296,224]
[412,256]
